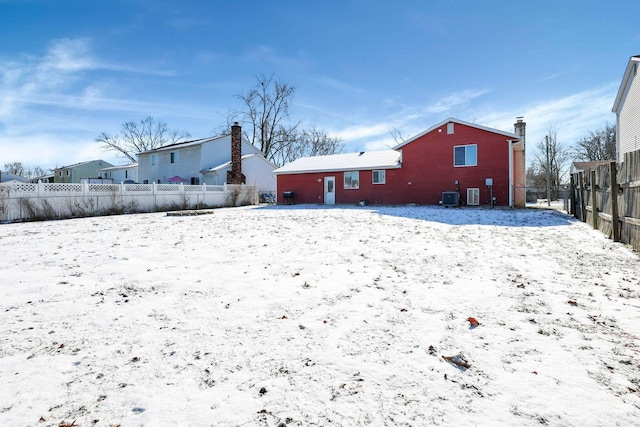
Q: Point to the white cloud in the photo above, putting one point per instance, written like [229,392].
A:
[68,55]
[455,99]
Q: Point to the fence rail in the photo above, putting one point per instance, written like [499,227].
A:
[608,198]
[21,201]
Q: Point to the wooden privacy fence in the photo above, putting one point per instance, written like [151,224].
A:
[19,201]
[608,198]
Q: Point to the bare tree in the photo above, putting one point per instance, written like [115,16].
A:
[304,143]
[268,126]
[552,156]
[136,138]
[397,136]
[266,110]
[599,145]
[18,168]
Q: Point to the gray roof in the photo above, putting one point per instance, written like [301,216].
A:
[184,144]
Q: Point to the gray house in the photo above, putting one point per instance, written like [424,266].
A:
[79,171]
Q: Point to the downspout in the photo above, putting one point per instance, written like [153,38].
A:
[511,184]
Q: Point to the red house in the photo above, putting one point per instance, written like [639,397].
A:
[471,164]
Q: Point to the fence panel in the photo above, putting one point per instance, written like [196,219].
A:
[52,201]
[608,197]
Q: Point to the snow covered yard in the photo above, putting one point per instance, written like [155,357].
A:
[305,315]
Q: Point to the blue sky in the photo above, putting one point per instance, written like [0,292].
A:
[70,70]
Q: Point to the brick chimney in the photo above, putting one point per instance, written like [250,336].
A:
[236,176]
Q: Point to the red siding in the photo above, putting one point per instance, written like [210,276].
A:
[427,170]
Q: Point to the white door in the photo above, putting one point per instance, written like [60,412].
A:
[329,190]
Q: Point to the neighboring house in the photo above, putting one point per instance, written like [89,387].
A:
[583,166]
[10,177]
[208,161]
[76,173]
[627,109]
[44,179]
[118,174]
[483,166]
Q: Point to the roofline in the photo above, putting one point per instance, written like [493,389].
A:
[396,166]
[130,165]
[511,136]
[623,83]
[80,164]
[175,144]
[244,157]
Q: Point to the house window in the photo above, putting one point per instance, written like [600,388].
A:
[145,181]
[60,173]
[154,159]
[195,180]
[450,128]
[380,176]
[126,174]
[473,196]
[465,155]
[174,157]
[66,172]
[351,180]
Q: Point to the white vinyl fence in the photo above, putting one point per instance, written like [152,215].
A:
[19,201]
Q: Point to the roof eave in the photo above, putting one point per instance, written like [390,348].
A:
[349,169]
[511,136]
[623,84]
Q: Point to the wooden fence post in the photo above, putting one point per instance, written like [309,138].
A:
[594,199]
[614,202]
[582,216]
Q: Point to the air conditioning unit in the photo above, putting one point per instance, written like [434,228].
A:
[450,198]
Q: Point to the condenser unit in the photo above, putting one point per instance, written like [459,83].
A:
[450,198]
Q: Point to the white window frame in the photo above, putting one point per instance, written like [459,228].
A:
[465,155]
[450,128]
[473,196]
[350,178]
[173,156]
[154,159]
[381,174]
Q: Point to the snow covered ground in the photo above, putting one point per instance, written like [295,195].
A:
[305,315]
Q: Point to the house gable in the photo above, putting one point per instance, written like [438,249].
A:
[627,109]
[79,171]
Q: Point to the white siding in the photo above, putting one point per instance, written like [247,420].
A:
[259,173]
[629,116]
[217,152]
[122,174]
[144,168]
[187,165]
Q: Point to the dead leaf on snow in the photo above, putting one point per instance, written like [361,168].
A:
[458,360]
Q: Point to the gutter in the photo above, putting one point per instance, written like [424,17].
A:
[510,141]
